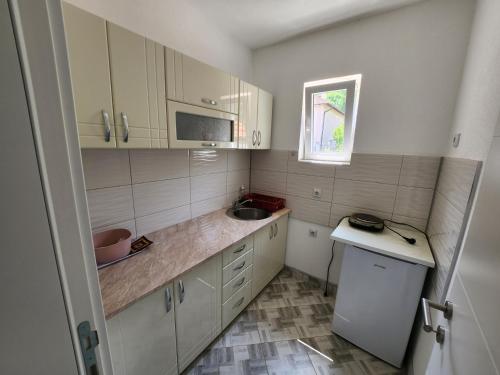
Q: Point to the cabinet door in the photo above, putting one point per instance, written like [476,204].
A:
[279,243]
[198,309]
[89,66]
[264,119]
[209,87]
[129,76]
[263,264]
[247,132]
[142,337]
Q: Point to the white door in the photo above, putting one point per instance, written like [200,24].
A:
[90,77]
[264,119]
[263,264]
[36,335]
[279,243]
[198,296]
[247,132]
[472,336]
[142,337]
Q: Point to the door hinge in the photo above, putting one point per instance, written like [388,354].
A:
[88,342]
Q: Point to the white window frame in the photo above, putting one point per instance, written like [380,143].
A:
[352,85]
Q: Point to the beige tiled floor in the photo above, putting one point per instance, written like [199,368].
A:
[286,330]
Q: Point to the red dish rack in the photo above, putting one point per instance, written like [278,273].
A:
[265,202]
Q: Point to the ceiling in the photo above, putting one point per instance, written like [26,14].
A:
[258,23]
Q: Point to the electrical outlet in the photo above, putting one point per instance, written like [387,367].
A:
[316,193]
[313,233]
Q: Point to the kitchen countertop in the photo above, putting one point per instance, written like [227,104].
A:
[175,251]
[387,243]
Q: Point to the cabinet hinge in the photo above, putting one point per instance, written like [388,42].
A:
[88,342]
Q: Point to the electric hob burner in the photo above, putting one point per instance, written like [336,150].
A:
[366,222]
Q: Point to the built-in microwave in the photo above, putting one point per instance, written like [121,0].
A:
[190,126]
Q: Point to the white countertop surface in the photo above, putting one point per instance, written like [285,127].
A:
[387,243]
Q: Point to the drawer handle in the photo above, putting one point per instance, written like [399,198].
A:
[209,144]
[209,101]
[125,127]
[168,300]
[238,304]
[181,291]
[239,283]
[107,127]
[240,249]
[240,266]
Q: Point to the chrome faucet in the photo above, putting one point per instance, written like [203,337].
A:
[237,204]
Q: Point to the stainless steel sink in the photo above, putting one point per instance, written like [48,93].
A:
[245,213]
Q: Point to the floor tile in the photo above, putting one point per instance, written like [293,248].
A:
[287,357]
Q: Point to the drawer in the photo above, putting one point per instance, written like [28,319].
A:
[234,268]
[234,305]
[236,283]
[236,250]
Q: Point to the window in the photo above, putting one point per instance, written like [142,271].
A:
[329,110]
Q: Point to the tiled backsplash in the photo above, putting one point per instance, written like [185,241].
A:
[449,216]
[146,190]
[390,186]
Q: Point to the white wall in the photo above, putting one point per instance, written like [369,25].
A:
[477,108]
[411,60]
[312,254]
[179,25]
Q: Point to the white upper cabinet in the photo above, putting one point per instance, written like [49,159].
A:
[247,132]
[197,83]
[198,297]
[264,119]
[90,77]
[133,61]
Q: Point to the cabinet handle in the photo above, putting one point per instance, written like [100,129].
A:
[240,266]
[259,138]
[240,249]
[239,283]
[211,144]
[209,101]
[254,138]
[271,232]
[107,127]
[168,300]
[238,304]
[181,291]
[275,229]
[125,127]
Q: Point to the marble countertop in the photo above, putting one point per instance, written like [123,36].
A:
[175,251]
[387,243]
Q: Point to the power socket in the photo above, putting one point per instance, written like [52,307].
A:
[316,193]
[313,233]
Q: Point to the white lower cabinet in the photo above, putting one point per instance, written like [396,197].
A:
[142,337]
[198,309]
[269,253]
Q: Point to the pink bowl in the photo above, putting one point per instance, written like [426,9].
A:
[111,245]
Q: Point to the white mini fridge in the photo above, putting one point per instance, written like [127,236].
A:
[376,302]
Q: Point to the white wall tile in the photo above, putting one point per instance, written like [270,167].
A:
[418,223]
[312,169]
[268,181]
[129,224]
[155,165]
[206,206]
[419,171]
[370,167]
[236,179]
[309,210]
[151,197]
[413,202]
[303,186]
[270,160]
[339,211]
[207,161]
[105,168]
[159,220]
[208,186]
[238,159]
[375,196]
[110,205]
